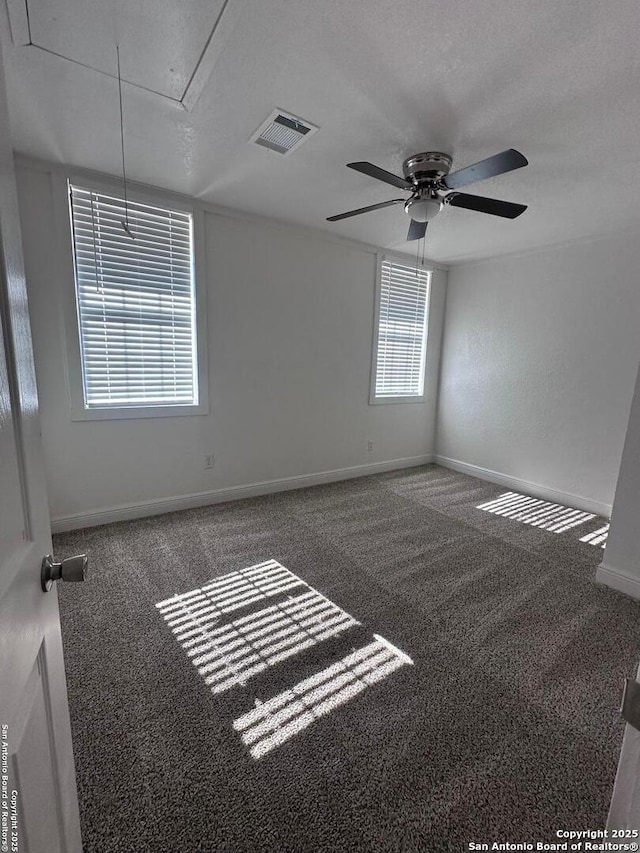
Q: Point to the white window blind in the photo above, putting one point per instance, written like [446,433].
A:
[136,302]
[402,331]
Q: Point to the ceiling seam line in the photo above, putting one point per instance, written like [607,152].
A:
[26,9]
[105,73]
[204,50]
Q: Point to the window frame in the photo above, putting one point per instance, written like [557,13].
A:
[413,398]
[69,305]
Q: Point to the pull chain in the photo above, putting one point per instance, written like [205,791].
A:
[124,224]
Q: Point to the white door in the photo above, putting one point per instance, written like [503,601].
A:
[38,799]
[620,569]
[624,812]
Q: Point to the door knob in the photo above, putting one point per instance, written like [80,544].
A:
[71,569]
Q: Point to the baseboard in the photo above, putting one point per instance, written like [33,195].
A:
[127,512]
[536,490]
[616,579]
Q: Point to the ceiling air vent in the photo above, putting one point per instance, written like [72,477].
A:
[283,132]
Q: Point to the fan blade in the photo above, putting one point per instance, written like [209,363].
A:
[364,209]
[506,161]
[381,175]
[485,205]
[417,230]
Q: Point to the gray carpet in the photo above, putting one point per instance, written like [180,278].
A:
[504,728]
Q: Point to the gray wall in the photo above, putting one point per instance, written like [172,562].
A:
[290,323]
[539,361]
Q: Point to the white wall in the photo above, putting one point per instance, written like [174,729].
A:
[621,565]
[290,320]
[538,365]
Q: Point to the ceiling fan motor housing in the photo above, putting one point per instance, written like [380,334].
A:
[427,168]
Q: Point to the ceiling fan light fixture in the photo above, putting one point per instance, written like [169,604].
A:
[423,209]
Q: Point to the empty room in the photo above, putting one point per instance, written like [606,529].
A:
[319,426]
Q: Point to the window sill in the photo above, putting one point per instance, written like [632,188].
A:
[137,412]
[385,401]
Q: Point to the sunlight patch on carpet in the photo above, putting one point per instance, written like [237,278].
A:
[598,537]
[277,720]
[229,653]
[536,513]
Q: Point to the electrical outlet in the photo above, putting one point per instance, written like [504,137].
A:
[209,461]
[370,446]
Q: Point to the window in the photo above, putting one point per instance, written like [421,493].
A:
[136,305]
[401,337]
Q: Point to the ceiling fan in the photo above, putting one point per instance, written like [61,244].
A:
[427,178]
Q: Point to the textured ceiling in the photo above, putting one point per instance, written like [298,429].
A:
[382,78]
